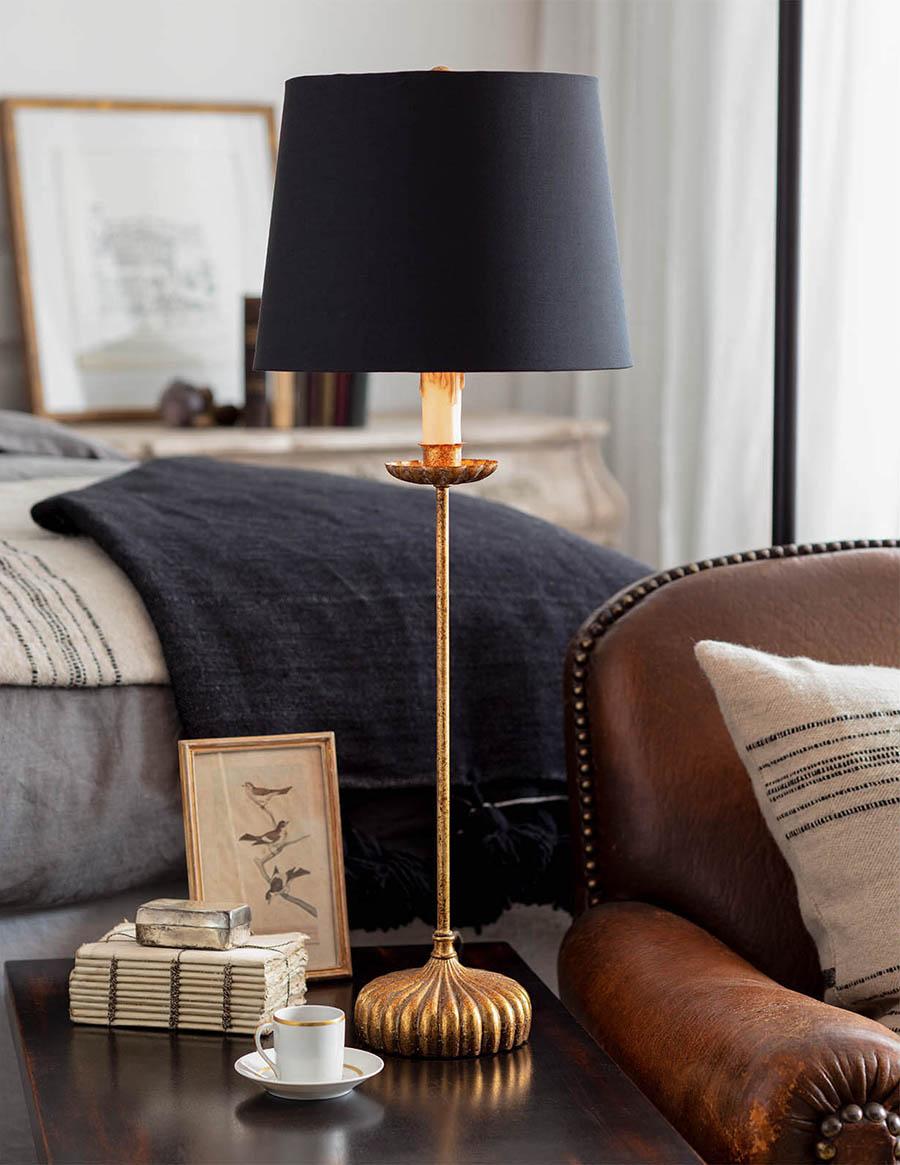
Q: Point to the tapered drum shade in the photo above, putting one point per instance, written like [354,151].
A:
[442,220]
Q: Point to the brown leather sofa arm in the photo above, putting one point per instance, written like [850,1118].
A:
[747,1070]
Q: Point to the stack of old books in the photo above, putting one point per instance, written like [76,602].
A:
[118,982]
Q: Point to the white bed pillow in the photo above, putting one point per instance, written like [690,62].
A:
[821,744]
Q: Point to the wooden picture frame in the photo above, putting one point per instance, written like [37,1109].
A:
[87,324]
[242,798]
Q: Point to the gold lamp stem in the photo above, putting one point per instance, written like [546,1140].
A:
[443,936]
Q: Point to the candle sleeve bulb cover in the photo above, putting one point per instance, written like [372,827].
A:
[441,407]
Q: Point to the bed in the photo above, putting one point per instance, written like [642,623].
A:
[102,668]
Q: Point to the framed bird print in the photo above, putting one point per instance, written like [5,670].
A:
[262,826]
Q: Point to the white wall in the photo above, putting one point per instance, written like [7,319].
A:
[232,50]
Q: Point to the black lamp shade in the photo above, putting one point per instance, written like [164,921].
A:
[442,221]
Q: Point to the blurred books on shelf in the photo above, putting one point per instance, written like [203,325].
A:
[285,400]
[330,398]
[256,403]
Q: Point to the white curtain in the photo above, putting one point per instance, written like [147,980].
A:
[689,100]
[849,421]
[689,96]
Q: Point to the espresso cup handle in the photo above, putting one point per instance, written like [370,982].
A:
[265,1029]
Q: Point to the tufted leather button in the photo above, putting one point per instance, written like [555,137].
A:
[830,1126]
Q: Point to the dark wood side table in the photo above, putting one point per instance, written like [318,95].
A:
[135,1096]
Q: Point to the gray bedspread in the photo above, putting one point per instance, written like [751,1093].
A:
[90,792]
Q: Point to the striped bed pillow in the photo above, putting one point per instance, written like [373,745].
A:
[821,744]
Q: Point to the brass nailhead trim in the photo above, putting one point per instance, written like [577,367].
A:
[610,613]
[832,1124]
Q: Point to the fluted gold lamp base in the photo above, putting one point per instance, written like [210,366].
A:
[443,1010]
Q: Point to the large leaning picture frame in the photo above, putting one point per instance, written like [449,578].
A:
[138,228]
[262,825]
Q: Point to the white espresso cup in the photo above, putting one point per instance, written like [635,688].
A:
[309,1043]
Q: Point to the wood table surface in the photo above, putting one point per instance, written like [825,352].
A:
[99,1095]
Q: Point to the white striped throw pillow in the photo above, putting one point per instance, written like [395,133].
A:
[821,744]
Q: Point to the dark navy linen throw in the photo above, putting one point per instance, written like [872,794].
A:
[291,601]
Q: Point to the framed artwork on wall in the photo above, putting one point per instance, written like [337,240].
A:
[138,228]
[262,825]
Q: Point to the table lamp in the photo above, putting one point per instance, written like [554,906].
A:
[452,221]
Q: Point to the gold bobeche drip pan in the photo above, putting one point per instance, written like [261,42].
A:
[441,476]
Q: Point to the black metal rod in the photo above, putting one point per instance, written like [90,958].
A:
[787,271]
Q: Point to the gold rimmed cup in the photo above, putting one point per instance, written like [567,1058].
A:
[309,1043]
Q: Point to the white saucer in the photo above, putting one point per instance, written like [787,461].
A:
[358,1067]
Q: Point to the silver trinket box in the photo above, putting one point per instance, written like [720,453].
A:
[210,926]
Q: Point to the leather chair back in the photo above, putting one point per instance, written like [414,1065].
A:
[663,809]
